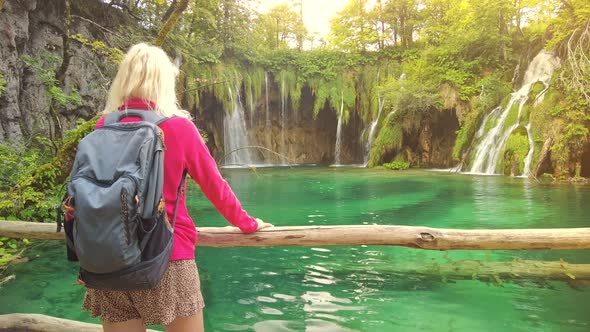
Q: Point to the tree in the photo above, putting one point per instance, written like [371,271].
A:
[352,29]
[234,26]
[403,17]
[281,27]
[174,13]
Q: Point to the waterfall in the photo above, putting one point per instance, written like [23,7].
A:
[482,128]
[372,129]
[235,136]
[373,125]
[252,110]
[529,155]
[267,102]
[338,146]
[283,121]
[491,146]
[267,125]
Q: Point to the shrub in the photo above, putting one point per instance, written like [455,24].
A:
[397,165]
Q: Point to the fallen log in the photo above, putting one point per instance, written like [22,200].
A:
[495,271]
[407,236]
[43,323]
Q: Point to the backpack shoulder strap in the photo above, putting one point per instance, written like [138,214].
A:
[180,187]
[163,119]
[144,115]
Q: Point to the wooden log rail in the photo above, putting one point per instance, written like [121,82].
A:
[43,323]
[406,236]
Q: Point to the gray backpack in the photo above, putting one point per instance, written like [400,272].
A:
[119,232]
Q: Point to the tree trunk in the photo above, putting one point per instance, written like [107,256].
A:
[171,22]
[60,74]
[406,236]
[43,323]
[169,11]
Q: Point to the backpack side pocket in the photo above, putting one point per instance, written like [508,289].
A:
[67,210]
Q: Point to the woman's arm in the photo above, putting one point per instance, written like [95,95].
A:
[202,168]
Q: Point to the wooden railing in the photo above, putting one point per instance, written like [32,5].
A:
[406,236]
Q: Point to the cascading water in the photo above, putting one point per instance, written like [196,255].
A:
[372,130]
[489,149]
[372,127]
[252,110]
[267,102]
[283,122]
[267,125]
[529,156]
[235,136]
[338,147]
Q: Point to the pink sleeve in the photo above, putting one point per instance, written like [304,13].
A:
[202,168]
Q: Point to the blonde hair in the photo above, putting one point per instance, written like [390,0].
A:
[146,72]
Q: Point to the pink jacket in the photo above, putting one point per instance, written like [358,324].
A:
[185,149]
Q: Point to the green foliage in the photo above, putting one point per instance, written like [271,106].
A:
[45,65]
[492,90]
[563,115]
[351,30]
[397,165]
[20,160]
[10,250]
[35,189]
[280,27]
[411,96]
[2,85]
[114,54]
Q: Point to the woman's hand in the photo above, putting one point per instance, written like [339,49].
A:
[262,224]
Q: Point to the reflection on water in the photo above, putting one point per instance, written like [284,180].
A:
[363,288]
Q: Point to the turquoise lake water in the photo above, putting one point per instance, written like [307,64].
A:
[356,288]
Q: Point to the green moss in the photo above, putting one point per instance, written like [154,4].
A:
[466,133]
[515,151]
[527,109]
[512,117]
[2,85]
[536,88]
[388,141]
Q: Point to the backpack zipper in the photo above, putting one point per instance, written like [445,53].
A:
[106,184]
[159,133]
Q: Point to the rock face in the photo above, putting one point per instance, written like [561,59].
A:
[35,28]
[307,139]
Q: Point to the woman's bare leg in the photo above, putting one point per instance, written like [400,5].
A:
[133,325]
[187,324]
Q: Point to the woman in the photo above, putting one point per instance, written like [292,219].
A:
[146,80]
